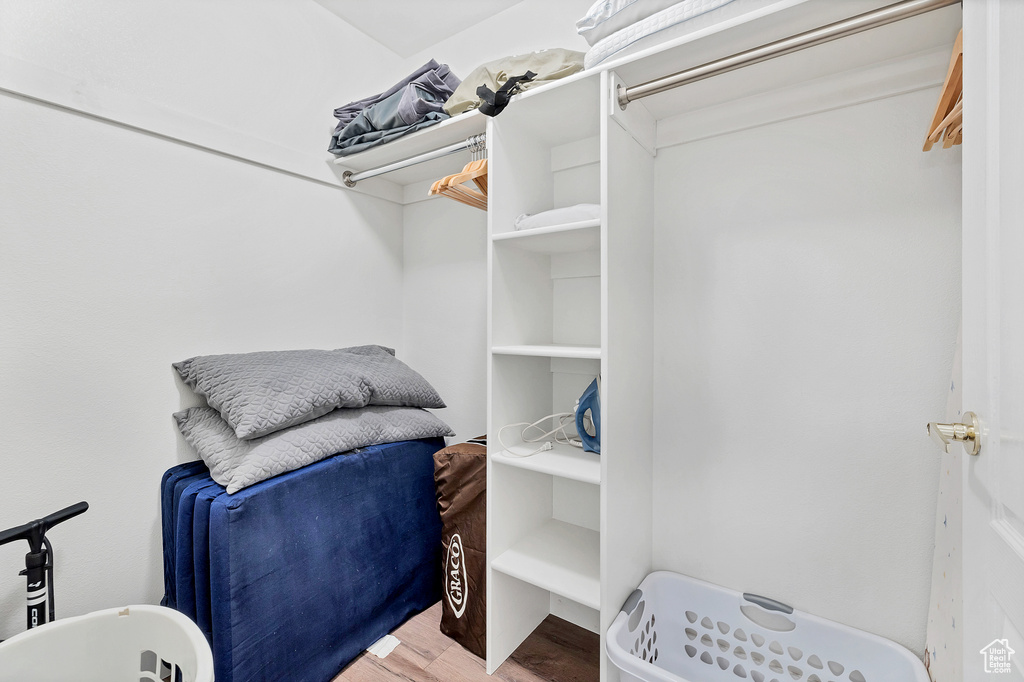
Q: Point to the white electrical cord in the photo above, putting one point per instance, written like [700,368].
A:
[558,432]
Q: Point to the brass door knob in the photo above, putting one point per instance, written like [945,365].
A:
[947,434]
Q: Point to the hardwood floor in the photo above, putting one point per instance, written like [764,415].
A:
[557,651]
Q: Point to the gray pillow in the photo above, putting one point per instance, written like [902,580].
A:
[259,393]
[237,463]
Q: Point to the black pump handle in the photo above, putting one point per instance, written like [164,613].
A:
[35,530]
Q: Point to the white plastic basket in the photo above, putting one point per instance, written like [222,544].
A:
[132,644]
[677,629]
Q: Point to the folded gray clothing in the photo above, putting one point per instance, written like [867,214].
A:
[347,113]
[235,463]
[379,137]
[415,105]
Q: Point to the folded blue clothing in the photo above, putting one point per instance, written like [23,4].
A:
[413,104]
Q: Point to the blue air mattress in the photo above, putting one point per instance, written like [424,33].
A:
[292,577]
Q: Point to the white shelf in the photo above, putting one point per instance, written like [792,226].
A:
[554,114]
[563,460]
[558,557]
[553,350]
[584,235]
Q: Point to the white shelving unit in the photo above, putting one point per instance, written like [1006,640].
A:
[565,535]
[560,557]
[581,236]
[562,460]
[553,350]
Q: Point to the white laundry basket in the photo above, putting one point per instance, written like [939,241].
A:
[677,629]
[132,644]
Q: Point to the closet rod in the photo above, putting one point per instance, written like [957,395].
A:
[474,143]
[823,34]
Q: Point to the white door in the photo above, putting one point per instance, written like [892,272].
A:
[993,338]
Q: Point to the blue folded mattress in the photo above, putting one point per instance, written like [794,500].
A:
[170,488]
[292,577]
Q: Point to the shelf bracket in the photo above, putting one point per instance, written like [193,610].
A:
[635,120]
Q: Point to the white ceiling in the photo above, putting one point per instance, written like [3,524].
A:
[409,26]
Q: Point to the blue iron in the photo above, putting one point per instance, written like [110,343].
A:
[590,402]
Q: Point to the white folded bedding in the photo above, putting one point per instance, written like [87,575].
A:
[670,23]
[605,17]
[558,216]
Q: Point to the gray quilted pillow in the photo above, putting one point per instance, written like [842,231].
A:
[259,393]
[237,463]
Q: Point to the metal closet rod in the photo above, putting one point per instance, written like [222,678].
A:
[474,143]
[823,34]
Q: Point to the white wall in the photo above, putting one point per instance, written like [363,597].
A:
[445,307]
[808,286]
[140,254]
[271,70]
[121,252]
[527,26]
[806,335]
[446,243]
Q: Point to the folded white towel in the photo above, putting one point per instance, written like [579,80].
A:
[558,216]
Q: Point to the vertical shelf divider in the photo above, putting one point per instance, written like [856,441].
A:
[627,343]
[568,533]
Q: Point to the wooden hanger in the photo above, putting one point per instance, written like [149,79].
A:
[950,126]
[459,193]
[475,171]
[452,186]
[462,195]
[947,122]
[954,118]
